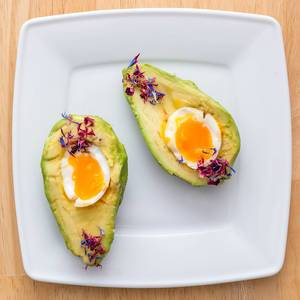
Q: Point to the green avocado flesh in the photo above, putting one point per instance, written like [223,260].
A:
[73,220]
[152,118]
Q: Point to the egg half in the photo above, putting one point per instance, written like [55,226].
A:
[193,136]
[86,176]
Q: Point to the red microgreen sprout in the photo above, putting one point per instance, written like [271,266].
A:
[146,86]
[80,141]
[217,170]
[93,248]
[129,91]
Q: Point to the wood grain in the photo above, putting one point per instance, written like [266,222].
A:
[14,284]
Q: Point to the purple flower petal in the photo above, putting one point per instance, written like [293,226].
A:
[134,61]
[62,142]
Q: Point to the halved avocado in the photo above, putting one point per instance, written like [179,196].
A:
[152,119]
[100,217]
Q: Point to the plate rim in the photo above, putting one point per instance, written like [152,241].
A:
[258,273]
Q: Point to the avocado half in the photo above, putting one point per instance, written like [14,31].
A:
[152,119]
[98,218]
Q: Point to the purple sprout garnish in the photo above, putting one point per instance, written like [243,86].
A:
[88,122]
[217,170]
[79,142]
[129,91]
[93,247]
[68,117]
[134,61]
[146,86]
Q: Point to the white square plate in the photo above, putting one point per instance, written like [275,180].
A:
[168,233]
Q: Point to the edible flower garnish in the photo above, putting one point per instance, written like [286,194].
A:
[78,142]
[93,248]
[134,61]
[146,85]
[218,169]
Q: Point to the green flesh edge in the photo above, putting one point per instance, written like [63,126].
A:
[70,219]
[178,93]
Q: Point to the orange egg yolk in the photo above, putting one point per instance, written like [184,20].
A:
[87,176]
[193,139]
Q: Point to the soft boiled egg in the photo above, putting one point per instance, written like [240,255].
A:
[86,176]
[193,136]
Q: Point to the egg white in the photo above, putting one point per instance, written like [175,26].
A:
[197,114]
[68,183]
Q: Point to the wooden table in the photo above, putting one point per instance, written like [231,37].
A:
[14,284]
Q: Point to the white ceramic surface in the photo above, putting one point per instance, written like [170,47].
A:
[168,233]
